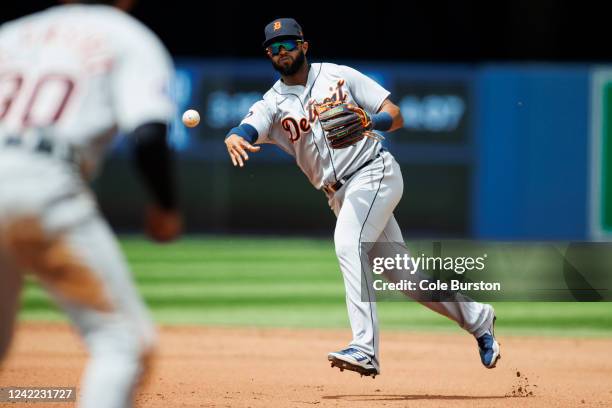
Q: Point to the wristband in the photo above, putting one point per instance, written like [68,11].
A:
[382,121]
[246,131]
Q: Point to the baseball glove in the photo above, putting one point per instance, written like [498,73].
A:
[162,225]
[344,124]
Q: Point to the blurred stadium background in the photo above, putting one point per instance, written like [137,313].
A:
[506,137]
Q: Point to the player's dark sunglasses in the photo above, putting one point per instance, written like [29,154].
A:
[288,45]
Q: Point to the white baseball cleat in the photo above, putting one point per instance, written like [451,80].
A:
[353,360]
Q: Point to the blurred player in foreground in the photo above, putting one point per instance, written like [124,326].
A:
[319,114]
[70,78]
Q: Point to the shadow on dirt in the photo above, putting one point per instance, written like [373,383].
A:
[396,397]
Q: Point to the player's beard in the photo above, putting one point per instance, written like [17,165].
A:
[293,68]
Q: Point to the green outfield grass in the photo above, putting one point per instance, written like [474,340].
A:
[287,282]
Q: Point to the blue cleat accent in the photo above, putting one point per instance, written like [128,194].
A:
[488,347]
[353,359]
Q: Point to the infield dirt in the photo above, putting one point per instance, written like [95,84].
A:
[238,367]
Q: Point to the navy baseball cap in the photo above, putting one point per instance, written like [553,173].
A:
[282,27]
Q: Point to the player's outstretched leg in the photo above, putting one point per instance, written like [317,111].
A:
[115,325]
[121,342]
[474,317]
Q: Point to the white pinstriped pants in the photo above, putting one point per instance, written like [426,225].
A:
[49,225]
[364,210]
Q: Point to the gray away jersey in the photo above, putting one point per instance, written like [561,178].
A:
[286,117]
[78,73]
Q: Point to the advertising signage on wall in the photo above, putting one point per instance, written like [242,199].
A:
[437,110]
[434,149]
[493,151]
[433,111]
[601,154]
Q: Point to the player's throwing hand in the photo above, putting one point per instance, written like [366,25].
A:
[237,148]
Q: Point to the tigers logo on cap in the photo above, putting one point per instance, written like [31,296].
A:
[277,25]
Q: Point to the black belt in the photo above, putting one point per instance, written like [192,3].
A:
[45,146]
[332,188]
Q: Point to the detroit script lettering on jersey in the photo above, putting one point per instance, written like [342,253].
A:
[290,124]
[286,117]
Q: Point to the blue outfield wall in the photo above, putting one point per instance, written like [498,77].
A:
[532,153]
[487,152]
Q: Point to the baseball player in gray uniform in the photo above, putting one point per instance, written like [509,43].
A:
[362,182]
[70,77]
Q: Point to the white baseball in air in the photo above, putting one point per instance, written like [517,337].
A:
[191,118]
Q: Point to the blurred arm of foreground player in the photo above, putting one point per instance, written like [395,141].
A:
[154,160]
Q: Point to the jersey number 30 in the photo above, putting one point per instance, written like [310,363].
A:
[45,103]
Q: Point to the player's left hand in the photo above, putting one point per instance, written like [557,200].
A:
[162,225]
[344,124]
[366,121]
